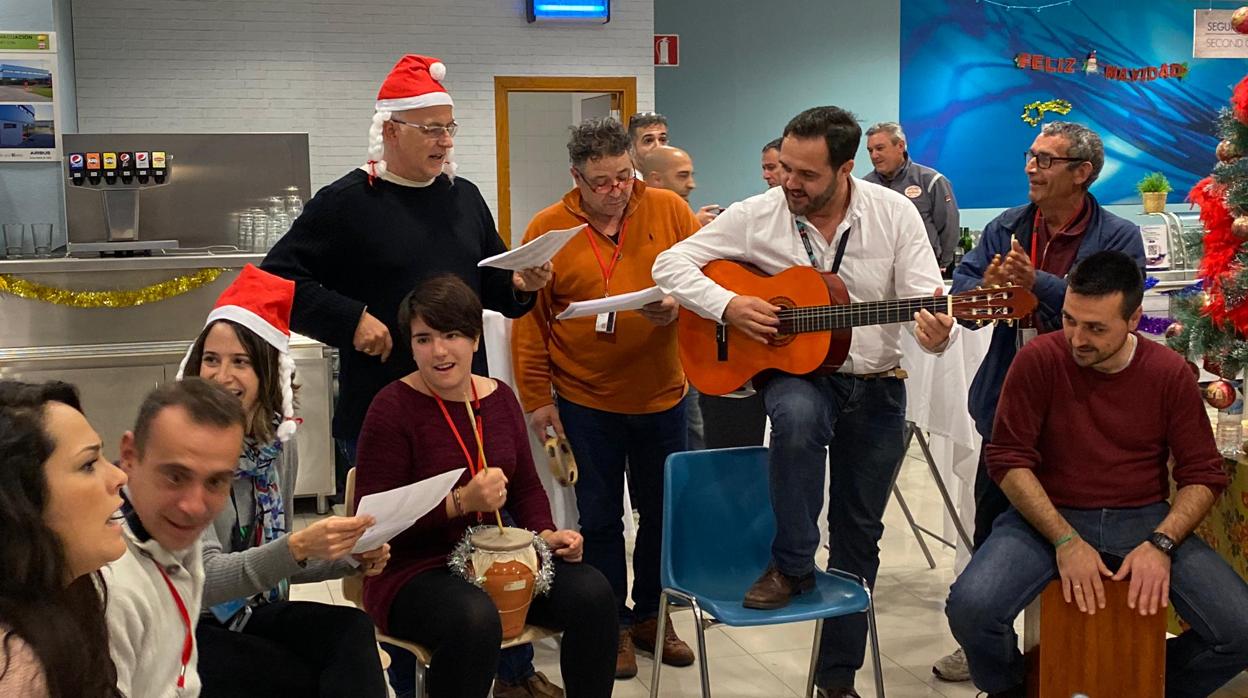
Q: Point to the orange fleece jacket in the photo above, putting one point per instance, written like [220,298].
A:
[635,370]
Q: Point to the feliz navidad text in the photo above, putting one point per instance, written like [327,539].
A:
[1053,64]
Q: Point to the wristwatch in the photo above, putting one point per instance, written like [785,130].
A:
[1162,542]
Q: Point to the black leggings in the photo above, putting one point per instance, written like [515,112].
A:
[291,648]
[460,625]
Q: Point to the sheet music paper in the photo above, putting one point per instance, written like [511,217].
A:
[533,253]
[624,301]
[397,509]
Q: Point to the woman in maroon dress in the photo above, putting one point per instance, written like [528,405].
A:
[418,427]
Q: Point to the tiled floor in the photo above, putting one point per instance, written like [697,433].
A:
[771,662]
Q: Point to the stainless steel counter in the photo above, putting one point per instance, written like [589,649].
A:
[197,260]
[116,355]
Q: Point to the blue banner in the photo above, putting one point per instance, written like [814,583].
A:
[970,70]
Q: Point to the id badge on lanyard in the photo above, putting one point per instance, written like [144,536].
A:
[604,323]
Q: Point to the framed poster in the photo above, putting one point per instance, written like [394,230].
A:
[29,114]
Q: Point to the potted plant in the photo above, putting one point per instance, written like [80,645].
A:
[1153,189]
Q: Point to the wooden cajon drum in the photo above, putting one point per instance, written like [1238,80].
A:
[1113,654]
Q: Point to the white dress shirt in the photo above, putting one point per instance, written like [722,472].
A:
[887,257]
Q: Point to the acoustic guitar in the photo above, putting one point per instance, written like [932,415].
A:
[816,323]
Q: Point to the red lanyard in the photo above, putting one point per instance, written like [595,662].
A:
[607,270]
[473,466]
[188,645]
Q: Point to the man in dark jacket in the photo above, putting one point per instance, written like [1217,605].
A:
[1034,246]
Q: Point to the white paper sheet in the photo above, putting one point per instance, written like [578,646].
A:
[397,509]
[624,301]
[533,253]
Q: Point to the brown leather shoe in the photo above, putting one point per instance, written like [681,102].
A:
[536,686]
[625,657]
[675,651]
[775,589]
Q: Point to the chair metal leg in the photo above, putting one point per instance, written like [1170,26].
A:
[702,665]
[940,485]
[422,689]
[814,660]
[658,645]
[914,527]
[875,649]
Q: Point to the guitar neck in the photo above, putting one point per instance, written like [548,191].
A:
[821,318]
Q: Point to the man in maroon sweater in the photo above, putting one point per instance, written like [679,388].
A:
[1086,423]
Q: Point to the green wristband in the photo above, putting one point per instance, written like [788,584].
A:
[1065,539]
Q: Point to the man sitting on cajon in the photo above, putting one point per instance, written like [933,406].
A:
[1087,420]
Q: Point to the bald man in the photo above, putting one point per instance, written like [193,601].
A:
[668,167]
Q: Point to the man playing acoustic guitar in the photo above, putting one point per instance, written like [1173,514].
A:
[873,237]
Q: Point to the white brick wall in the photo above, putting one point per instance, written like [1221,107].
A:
[315,65]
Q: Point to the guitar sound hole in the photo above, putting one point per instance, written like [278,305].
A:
[783,338]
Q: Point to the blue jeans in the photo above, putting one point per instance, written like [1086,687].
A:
[515,664]
[1015,563]
[603,443]
[859,427]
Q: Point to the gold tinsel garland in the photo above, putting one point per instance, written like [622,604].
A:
[1060,106]
[108,299]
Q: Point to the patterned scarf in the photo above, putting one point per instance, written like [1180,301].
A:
[259,464]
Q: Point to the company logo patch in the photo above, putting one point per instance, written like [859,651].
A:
[913,191]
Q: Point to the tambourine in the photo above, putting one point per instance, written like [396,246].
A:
[510,564]
[562,463]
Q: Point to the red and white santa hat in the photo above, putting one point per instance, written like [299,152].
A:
[413,83]
[261,302]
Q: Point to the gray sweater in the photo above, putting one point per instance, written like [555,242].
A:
[233,574]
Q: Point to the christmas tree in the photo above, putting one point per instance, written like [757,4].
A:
[1213,324]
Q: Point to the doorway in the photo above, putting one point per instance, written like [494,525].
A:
[532,117]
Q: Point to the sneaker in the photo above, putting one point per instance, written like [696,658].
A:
[625,657]
[952,667]
[536,686]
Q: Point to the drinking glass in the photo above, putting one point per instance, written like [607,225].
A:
[42,234]
[13,233]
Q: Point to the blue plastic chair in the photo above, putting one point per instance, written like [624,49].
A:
[718,528]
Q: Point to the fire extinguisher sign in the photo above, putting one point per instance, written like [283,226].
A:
[667,50]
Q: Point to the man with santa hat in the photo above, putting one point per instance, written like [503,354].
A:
[366,240]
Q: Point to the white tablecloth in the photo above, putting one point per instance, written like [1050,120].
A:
[936,396]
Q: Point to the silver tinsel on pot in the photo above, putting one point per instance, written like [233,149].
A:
[460,555]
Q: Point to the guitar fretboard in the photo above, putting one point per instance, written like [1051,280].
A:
[821,318]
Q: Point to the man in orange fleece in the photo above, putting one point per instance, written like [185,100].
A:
[618,388]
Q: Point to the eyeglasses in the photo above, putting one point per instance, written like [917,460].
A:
[604,185]
[434,131]
[1044,161]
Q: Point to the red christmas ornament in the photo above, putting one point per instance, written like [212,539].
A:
[1227,152]
[1174,330]
[1220,395]
[1213,366]
[1239,20]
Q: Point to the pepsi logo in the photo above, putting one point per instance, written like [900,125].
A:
[75,160]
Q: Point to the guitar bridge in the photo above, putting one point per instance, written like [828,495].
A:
[721,342]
